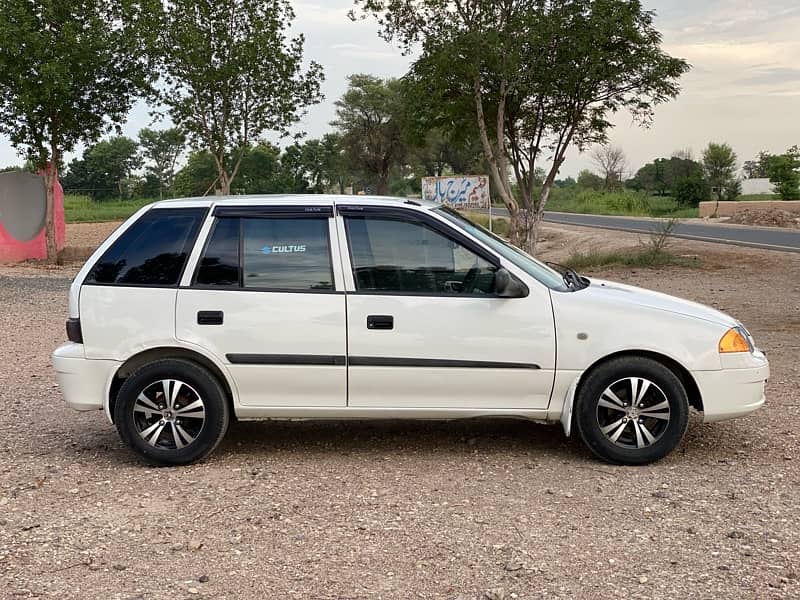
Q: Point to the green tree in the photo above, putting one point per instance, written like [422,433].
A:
[69,71]
[104,169]
[663,175]
[691,190]
[590,181]
[437,153]
[369,119]
[784,173]
[321,162]
[198,177]
[758,168]
[232,75]
[161,149]
[719,164]
[535,78]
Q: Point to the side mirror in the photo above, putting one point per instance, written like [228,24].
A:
[508,286]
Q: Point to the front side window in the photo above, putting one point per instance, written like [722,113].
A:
[264,253]
[398,256]
[152,251]
[523,260]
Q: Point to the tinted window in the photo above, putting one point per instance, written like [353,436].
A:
[286,254]
[219,265]
[400,256]
[152,251]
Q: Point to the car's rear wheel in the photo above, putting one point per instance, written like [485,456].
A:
[632,410]
[171,412]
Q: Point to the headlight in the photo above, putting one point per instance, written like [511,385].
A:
[735,340]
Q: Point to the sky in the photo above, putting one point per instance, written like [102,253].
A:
[743,89]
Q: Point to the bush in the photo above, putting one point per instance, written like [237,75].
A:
[691,191]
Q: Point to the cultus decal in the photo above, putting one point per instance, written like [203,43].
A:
[283,249]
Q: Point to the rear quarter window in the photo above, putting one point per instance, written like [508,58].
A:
[151,252]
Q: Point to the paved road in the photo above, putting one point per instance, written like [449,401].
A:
[772,238]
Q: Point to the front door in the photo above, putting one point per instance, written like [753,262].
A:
[425,329]
[263,299]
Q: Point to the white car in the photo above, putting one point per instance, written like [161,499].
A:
[197,311]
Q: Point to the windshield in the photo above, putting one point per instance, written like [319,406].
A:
[538,270]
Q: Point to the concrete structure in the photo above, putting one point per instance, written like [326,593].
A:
[23,206]
[728,209]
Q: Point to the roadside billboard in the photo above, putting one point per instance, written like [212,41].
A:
[462,192]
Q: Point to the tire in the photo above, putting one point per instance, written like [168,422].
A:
[167,434]
[620,433]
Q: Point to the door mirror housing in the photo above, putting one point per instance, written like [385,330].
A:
[507,285]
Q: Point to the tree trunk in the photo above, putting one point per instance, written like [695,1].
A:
[500,179]
[50,175]
[224,185]
[383,185]
[523,229]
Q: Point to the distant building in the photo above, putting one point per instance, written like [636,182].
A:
[752,187]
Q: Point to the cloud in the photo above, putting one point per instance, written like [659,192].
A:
[352,50]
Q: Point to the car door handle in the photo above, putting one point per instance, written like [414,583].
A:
[380,322]
[210,317]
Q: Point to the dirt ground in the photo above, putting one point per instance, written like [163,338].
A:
[478,509]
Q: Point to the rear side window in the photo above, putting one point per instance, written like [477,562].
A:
[264,253]
[152,252]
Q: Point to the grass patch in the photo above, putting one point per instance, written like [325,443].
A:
[620,203]
[758,198]
[645,258]
[82,209]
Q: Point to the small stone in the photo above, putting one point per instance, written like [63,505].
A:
[120,567]
[195,545]
[569,495]
[203,579]
[495,594]
[643,579]
[513,565]
[193,590]
[660,494]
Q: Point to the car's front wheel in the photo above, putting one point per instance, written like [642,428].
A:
[632,410]
[171,412]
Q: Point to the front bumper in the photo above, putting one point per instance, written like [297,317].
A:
[84,383]
[733,392]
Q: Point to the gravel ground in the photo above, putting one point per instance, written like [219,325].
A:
[478,509]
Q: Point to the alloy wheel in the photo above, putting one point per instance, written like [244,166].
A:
[633,413]
[169,414]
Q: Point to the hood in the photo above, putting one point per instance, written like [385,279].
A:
[620,293]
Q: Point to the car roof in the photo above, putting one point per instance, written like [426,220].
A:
[292,200]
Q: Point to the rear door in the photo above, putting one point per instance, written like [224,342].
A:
[264,300]
[425,328]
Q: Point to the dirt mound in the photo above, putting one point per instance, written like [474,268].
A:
[772,217]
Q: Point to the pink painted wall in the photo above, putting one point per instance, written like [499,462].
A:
[13,250]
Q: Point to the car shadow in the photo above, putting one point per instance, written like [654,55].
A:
[514,438]
[393,437]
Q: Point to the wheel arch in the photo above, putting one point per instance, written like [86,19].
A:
[140,359]
[681,372]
